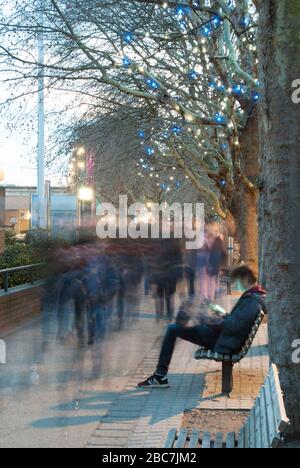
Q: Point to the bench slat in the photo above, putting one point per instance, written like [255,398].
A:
[183,433]
[274,436]
[258,430]
[266,443]
[230,440]
[275,403]
[241,438]
[247,434]
[252,442]
[206,442]
[280,412]
[219,441]
[171,438]
[194,440]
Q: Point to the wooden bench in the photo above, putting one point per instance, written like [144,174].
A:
[265,427]
[229,361]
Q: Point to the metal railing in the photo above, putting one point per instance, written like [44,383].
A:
[30,271]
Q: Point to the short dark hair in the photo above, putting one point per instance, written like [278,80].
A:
[244,272]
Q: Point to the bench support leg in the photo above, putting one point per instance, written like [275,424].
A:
[227,377]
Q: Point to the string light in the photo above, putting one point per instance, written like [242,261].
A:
[141,134]
[220,119]
[126,61]
[227,97]
[193,75]
[128,37]
[152,84]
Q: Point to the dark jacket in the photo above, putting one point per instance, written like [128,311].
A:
[217,257]
[166,264]
[238,325]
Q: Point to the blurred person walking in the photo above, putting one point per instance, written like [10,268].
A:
[101,283]
[210,260]
[166,271]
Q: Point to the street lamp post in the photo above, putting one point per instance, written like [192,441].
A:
[42,222]
[85,198]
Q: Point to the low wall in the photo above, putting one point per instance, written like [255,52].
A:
[19,305]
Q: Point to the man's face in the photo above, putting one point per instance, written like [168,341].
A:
[243,283]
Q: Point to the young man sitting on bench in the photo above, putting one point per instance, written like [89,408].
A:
[226,335]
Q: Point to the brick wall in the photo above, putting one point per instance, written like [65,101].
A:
[16,307]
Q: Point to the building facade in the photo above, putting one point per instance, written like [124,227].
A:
[17,206]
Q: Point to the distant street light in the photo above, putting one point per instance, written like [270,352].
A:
[2,175]
[86,194]
[81,151]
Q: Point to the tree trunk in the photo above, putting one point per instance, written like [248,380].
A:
[244,210]
[245,201]
[279,49]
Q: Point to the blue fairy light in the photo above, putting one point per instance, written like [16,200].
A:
[245,22]
[126,61]
[223,183]
[216,21]
[141,134]
[128,37]
[178,184]
[205,30]
[163,186]
[255,97]
[176,130]
[220,119]
[149,150]
[180,11]
[152,84]
[238,89]
[193,75]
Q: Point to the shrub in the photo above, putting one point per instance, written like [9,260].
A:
[39,239]
[36,237]
[10,238]
[37,249]
[18,255]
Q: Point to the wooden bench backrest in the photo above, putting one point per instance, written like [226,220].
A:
[268,421]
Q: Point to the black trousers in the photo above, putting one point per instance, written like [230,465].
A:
[201,335]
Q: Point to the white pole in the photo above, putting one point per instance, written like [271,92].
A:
[41,126]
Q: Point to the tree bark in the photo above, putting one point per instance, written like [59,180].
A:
[245,202]
[279,50]
[244,211]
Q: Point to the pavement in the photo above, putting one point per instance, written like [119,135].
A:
[142,419]
[57,399]
[70,399]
